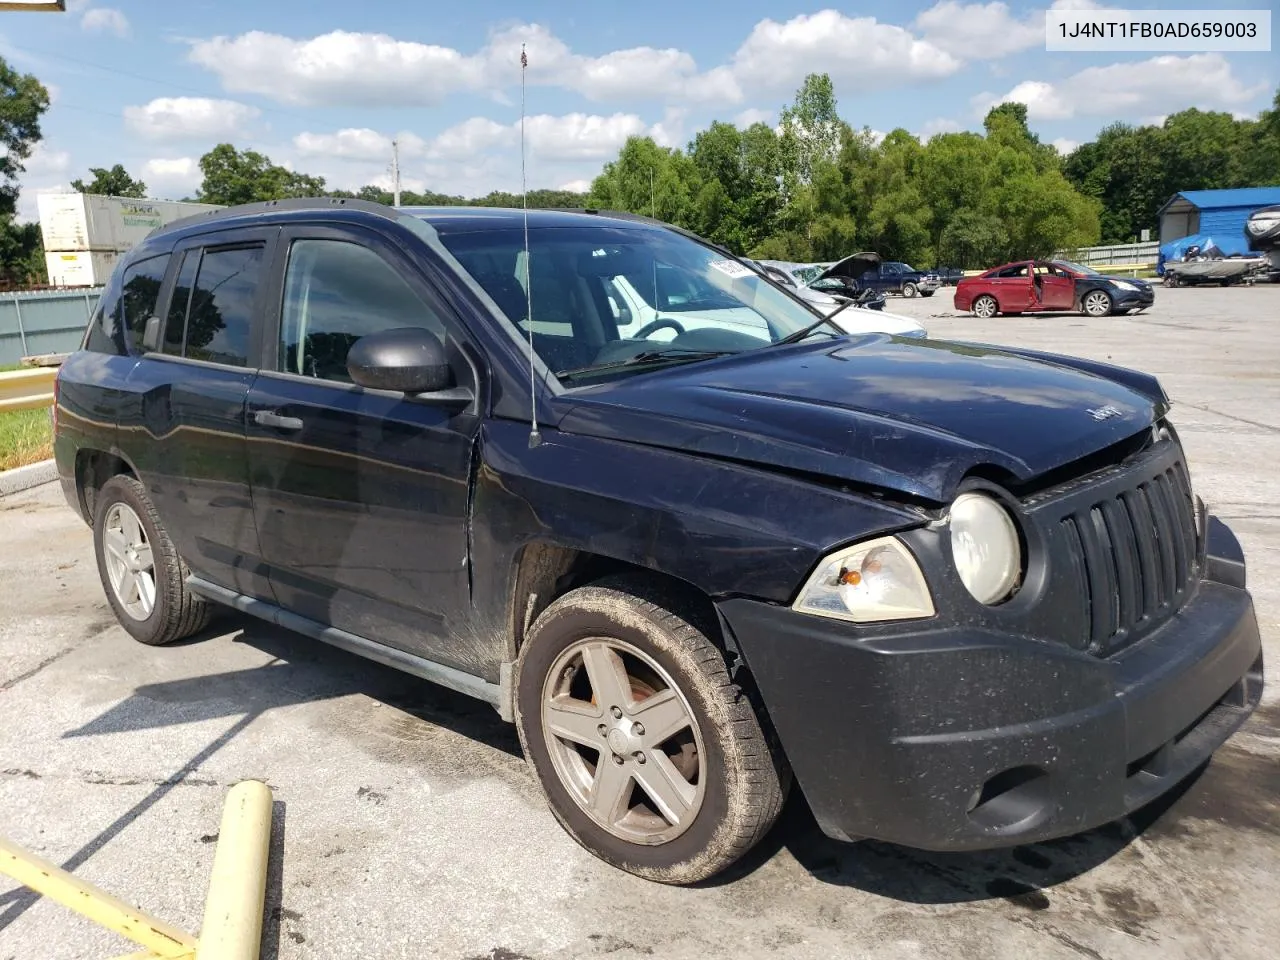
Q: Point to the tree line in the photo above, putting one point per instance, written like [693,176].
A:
[813,187]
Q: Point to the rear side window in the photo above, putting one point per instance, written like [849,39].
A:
[219,308]
[100,335]
[336,292]
[140,295]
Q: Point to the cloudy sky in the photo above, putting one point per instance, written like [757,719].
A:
[323,85]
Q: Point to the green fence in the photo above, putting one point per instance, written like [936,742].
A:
[43,321]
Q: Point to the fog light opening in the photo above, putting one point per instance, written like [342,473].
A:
[1012,799]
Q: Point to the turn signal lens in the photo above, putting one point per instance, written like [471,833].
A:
[868,583]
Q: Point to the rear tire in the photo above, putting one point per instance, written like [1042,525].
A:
[675,807]
[144,578]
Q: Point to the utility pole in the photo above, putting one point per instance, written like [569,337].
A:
[653,207]
[395,171]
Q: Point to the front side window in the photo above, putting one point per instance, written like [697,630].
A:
[220,315]
[684,300]
[336,292]
[141,292]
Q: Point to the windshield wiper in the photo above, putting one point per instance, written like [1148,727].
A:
[649,356]
[805,331]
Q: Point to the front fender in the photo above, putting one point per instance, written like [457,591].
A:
[727,529]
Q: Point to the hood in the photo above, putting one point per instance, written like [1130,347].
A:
[858,321]
[914,416]
[852,267]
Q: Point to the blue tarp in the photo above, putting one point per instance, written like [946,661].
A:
[1212,246]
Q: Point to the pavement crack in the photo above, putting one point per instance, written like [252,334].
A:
[1068,941]
[1228,416]
[47,661]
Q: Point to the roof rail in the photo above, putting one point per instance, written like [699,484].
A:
[281,206]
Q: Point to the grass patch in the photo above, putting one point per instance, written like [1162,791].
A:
[25,437]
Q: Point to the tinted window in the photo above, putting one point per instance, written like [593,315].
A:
[142,283]
[221,312]
[175,328]
[1017,271]
[335,293]
[100,335]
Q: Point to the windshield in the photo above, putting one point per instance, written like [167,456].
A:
[1078,268]
[807,274]
[605,295]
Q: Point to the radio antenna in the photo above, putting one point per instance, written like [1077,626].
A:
[535,437]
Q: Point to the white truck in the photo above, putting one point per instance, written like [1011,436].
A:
[84,234]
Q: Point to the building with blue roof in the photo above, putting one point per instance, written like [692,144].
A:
[1215,213]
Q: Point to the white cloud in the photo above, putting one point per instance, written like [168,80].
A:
[753,115]
[858,53]
[988,31]
[573,136]
[1132,90]
[979,31]
[45,160]
[358,144]
[1064,145]
[938,125]
[105,20]
[189,118]
[364,69]
[577,186]
[171,176]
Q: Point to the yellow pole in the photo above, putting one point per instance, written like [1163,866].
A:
[233,912]
[48,880]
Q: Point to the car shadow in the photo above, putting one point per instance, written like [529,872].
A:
[1020,875]
[301,670]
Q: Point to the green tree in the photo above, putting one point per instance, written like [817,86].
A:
[115,182]
[648,179]
[232,176]
[23,101]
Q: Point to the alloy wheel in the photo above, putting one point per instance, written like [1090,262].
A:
[130,562]
[984,307]
[624,741]
[1097,304]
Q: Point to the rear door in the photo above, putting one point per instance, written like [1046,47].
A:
[188,439]
[1013,288]
[362,496]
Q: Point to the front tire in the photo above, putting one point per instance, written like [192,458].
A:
[650,756]
[985,307]
[144,578]
[927,293]
[909,290]
[1097,303]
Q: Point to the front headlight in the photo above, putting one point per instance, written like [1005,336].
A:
[984,545]
[1125,285]
[870,582]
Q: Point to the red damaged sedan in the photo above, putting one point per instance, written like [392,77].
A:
[1054,285]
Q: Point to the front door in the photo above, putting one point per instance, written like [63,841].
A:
[361,496]
[186,435]
[1058,289]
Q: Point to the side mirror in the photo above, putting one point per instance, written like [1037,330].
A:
[408,359]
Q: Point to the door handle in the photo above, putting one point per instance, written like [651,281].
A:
[265,418]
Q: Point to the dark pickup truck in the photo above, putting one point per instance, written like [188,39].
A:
[963,596]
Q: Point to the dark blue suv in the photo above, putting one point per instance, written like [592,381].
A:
[965,596]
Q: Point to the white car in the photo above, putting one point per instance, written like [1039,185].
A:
[795,277]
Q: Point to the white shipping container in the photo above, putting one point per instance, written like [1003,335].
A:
[84,221]
[80,268]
